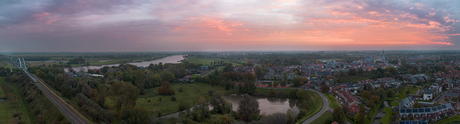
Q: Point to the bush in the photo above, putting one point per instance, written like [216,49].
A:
[159,99]
[210,93]
[173,98]
[148,100]
[181,90]
[182,106]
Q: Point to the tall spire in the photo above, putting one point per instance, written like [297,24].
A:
[383,59]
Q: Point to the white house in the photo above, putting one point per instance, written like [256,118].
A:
[427,95]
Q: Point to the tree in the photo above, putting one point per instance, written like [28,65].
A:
[352,72]
[228,68]
[390,93]
[370,103]
[296,82]
[259,72]
[250,88]
[271,93]
[345,108]
[220,104]
[338,115]
[360,70]
[165,89]
[362,113]
[275,84]
[380,93]
[236,89]
[325,88]
[285,77]
[124,94]
[342,74]
[202,101]
[135,115]
[366,94]
[248,106]
[375,98]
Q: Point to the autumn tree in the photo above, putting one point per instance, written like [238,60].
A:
[366,94]
[325,88]
[124,94]
[165,89]
[247,107]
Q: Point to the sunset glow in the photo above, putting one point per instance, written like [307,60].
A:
[229,25]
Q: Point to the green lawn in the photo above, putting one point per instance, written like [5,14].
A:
[189,95]
[373,112]
[452,120]
[317,106]
[386,119]
[394,103]
[413,90]
[332,100]
[321,119]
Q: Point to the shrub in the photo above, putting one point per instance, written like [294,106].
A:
[182,106]
[173,98]
[148,100]
[210,93]
[181,90]
[159,99]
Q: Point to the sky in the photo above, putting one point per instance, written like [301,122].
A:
[228,25]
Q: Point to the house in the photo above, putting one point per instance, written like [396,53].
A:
[431,113]
[407,102]
[449,95]
[427,95]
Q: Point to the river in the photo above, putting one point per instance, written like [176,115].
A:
[266,105]
[169,59]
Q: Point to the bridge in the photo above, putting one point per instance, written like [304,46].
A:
[71,114]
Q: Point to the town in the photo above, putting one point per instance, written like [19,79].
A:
[314,87]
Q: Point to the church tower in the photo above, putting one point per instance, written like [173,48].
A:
[383,59]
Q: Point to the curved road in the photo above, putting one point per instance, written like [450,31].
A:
[324,109]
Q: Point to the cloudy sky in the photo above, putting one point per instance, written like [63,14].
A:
[228,25]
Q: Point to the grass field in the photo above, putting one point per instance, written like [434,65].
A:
[15,105]
[6,64]
[317,106]
[452,120]
[333,103]
[321,119]
[189,95]
[5,110]
[386,119]
[208,61]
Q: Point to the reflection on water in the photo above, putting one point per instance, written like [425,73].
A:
[268,105]
[169,59]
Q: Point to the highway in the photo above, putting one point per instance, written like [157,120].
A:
[324,109]
[71,114]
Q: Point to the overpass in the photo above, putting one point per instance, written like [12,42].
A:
[71,114]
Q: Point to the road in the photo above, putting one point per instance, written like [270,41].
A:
[71,114]
[324,109]
[204,75]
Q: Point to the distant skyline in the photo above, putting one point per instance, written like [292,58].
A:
[228,25]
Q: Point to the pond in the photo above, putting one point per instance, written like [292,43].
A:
[266,105]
